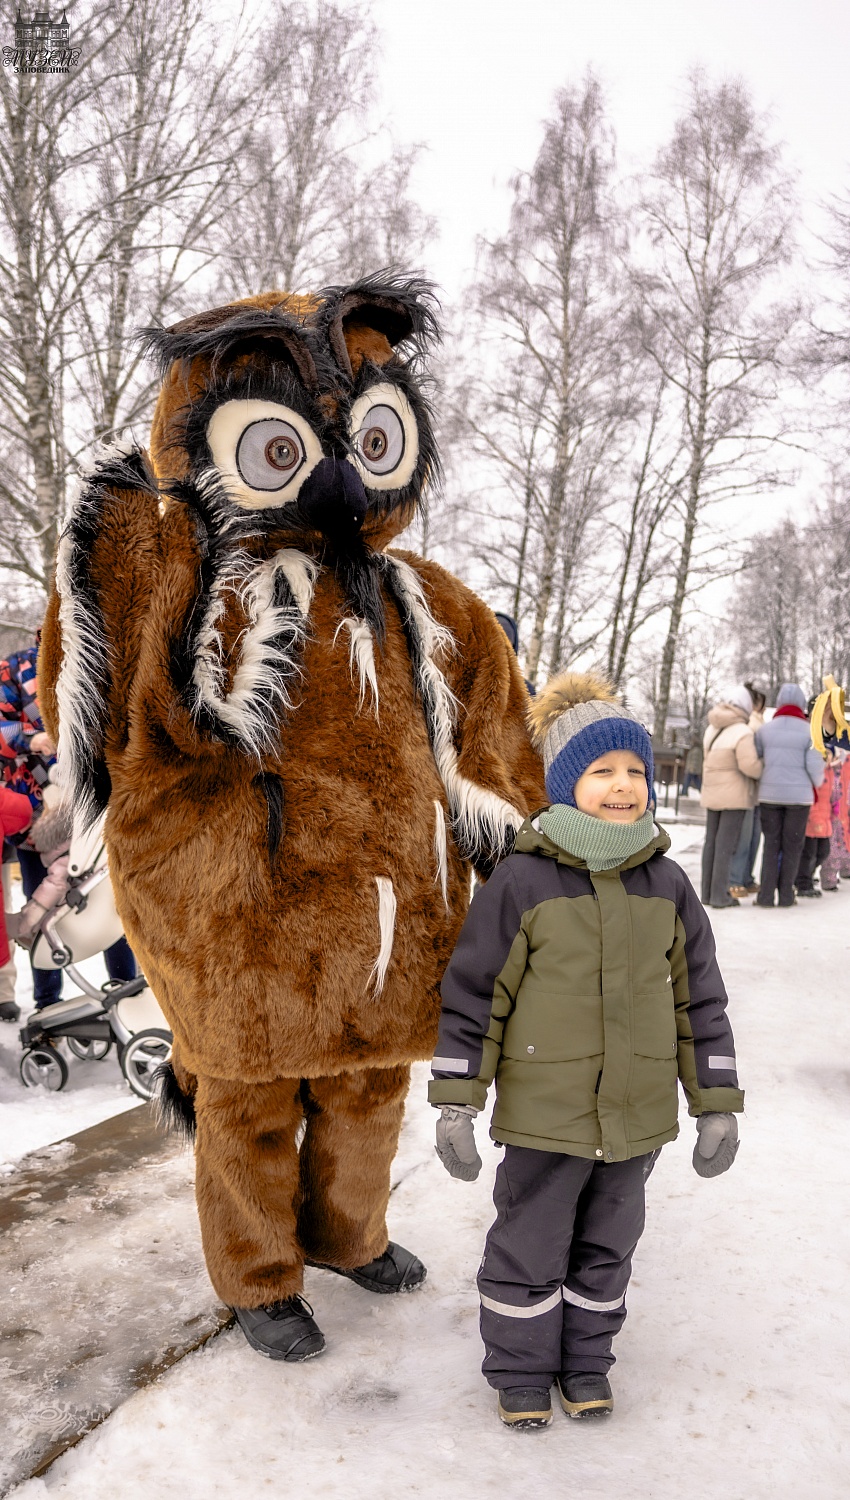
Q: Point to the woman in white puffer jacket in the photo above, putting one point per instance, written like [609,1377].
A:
[730,773]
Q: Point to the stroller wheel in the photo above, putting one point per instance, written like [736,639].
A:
[43,1065]
[142,1056]
[93,1051]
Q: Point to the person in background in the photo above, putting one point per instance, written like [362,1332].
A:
[836,866]
[730,772]
[26,757]
[741,881]
[693,769]
[818,834]
[793,769]
[511,629]
[15,816]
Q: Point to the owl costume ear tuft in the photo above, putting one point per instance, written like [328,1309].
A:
[224,332]
[367,320]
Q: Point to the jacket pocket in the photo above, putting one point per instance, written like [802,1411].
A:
[549,1026]
[655,1024]
[553,1101]
[652,1106]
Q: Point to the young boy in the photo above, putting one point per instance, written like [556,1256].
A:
[585,981]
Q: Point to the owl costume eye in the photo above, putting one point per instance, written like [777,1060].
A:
[384,437]
[263,451]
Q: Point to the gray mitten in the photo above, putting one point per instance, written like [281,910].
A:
[717,1144]
[456,1142]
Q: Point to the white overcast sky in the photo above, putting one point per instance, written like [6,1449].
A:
[472,80]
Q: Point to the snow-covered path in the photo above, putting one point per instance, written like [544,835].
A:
[732,1375]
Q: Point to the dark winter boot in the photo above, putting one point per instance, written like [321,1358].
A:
[397,1270]
[585,1395]
[9,1011]
[282,1330]
[525,1406]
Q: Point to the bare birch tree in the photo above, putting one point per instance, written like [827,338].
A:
[123,186]
[791,611]
[547,413]
[110,181]
[717,212]
[317,194]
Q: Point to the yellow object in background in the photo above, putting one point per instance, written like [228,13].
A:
[834,696]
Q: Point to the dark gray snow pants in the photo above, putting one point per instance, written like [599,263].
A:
[557,1263]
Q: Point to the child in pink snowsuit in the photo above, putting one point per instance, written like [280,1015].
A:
[15,816]
[836,866]
[52,838]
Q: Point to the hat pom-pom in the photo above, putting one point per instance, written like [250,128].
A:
[562,693]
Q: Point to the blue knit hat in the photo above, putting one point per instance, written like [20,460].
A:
[575,719]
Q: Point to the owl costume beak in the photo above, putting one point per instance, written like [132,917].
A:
[332,500]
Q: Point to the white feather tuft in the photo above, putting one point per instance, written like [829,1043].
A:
[441,850]
[85,660]
[386,926]
[361,653]
[481,819]
[261,677]
[300,572]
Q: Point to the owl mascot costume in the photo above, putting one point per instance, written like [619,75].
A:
[305,741]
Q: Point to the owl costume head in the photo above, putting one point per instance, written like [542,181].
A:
[303,417]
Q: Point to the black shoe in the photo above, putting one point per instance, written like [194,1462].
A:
[808,895]
[282,1330]
[525,1406]
[585,1395]
[397,1270]
[9,1011]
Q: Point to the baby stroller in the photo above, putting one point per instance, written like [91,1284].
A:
[124,1012]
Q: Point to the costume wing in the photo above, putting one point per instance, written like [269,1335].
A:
[107,564]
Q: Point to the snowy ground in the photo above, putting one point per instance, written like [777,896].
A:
[728,1381]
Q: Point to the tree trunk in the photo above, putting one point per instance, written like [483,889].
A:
[668,655]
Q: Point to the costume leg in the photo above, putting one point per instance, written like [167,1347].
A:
[353,1125]
[609,1222]
[246,1183]
[525,1261]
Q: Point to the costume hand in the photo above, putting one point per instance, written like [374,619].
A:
[456,1142]
[42,744]
[717,1144]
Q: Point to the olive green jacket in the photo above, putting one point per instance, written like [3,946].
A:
[586,995]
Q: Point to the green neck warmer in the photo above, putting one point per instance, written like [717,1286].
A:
[601,845]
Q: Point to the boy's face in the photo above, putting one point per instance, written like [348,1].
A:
[614,788]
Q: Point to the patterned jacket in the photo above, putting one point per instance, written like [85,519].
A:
[20,719]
